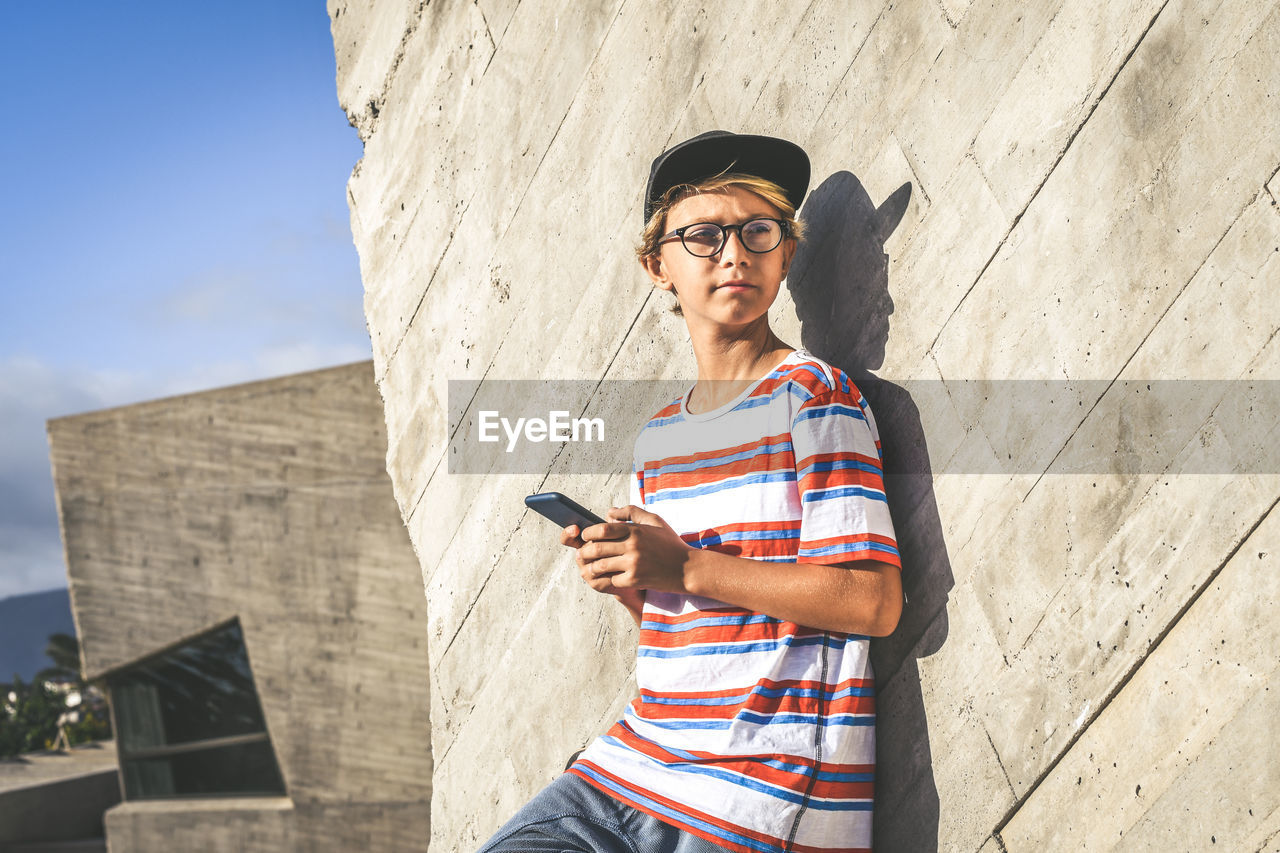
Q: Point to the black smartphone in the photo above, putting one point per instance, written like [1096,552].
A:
[562,510]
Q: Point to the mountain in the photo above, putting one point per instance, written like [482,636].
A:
[26,621]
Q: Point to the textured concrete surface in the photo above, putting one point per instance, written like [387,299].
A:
[37,768]
[48,797]
[1070,190]
[1183,757]
[268,502]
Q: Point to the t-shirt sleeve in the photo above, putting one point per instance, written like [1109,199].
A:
[840,478]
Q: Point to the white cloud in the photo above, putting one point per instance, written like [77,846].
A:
[31,564]
[236,304]
[296,357]
[29,387]
[268,362]
[30,394]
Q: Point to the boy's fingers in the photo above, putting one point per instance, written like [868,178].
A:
[569,536]
[634,514]
[601,584]
[597,564]
[624,513]
[604,532]
[589,553]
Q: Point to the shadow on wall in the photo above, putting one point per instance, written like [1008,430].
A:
[840,285]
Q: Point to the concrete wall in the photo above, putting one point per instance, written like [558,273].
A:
[268,502]
[1076,191]
[68,809]
[49,797]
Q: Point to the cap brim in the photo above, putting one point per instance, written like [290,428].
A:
[706,156]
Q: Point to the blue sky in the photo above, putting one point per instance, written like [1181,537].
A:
[175,219]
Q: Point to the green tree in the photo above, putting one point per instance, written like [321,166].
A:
[30,721]
[94,725]
[64,651]
[10,734]
[37,716]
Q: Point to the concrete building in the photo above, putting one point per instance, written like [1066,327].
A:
[243,583]
[1080,192]
[53,802]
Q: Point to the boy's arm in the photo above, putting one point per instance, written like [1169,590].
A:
[856,597]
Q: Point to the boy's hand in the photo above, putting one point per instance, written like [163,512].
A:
[624,560]
[632,599]
[634,550]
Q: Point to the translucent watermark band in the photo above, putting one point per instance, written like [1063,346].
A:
[1008,426]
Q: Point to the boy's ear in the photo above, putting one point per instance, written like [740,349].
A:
[657,274]
[789,245]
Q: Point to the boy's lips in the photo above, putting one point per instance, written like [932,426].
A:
[736,282]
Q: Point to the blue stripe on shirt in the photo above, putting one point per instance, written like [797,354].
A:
[778,763]
[676,817]
[747,782]
[792,531]
[756,478]
[746,618]
[839,465]
[828,411]
[814,495]
[847,548]
[684,467]
[740,648]
[799,692]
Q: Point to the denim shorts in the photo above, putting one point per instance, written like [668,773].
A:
[570,816]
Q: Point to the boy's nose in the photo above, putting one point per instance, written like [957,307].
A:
[733,248]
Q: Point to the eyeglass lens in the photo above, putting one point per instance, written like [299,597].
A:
[758,235]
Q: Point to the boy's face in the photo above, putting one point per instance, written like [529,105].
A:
[733,287]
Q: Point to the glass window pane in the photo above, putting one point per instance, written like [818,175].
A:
[200,691]
[173,713]
[243,770]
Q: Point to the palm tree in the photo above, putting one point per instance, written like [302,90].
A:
[64,651]
[88,718]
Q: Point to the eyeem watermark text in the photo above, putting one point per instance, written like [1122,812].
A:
[929,428]
[558,426]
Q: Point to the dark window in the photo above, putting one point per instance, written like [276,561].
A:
[189,723]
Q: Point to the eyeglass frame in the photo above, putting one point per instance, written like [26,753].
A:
[784,231]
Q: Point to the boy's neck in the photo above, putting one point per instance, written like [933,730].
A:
[728,364]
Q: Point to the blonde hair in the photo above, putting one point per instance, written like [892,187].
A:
[656,227]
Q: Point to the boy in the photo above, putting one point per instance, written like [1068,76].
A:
[757,555]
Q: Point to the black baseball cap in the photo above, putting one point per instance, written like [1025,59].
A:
[708,154]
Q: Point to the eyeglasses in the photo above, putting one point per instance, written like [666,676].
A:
[704,239]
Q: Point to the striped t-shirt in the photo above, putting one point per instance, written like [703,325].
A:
[751,732]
